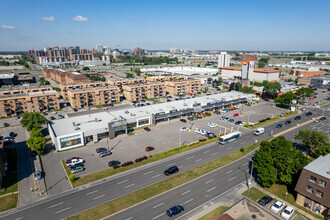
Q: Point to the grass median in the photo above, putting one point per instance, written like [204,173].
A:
[141,195]
[110,171]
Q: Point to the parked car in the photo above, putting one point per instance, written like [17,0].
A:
[203,132]
[235,115]
[73,161]
[323,118]
[44,113]
[288,122]
[147,129]
[265,200]
[60,116]
[149,148]
[222,117]
[105,153]
[174,210]
[224,110]
[75,110]
[100,149]
[12,134]
[317,121]
[212,125]
[52,118]
[113,163]
[168,100]
[210,134]
[75,165]
[287,212]
[197,130]
[309,113]
[277,206]
[37,175]
[183,120]
[184,129]
[6,124]
[217,112]
[230,120]
[279,126]
[238,122]
[171,170]
[77,169]
[297,118]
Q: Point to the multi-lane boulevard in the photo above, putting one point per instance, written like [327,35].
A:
[78,200]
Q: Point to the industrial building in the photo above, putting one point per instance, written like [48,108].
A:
[188,71]
[62,76]
[306,73]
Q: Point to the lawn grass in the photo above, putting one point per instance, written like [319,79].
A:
[323,103]
[276,118]
[8,202]
[154,100]
[254,194]
[141,195]
[9,182]
[214,212]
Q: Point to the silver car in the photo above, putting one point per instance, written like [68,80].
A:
[105,153]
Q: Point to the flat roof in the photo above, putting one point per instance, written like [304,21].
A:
[28,94]
[92,88]
[23,87]
[145,84]
[80,83]
[320,166]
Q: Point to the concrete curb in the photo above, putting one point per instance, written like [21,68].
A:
[66,175]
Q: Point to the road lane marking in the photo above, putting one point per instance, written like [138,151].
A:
[198,160]
[229,148]
[180,167]
[129,218]
[19,218]
[55,205]
[187,201]
[92,192]
[232,178]
[209,181]
[156,176]
[129,186]
[206,151]
[185,192]
[158,216]
[214,153]
[190,158]
[122,181]
[229,171]
[98,197]
[158,205]
[245,163]
[148,172]
[63,210]
[211,189]
[247,170]
[170,164]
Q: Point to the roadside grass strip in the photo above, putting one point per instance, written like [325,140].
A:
[254,194]
[124,202]
[276,118]
[8,202]
[218,210]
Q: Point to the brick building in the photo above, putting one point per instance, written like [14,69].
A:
[305,73]
[121,82]
[80,98]
[140,91]
[162,78]
[180,87]
[82,85]
[24,89]
[62,76]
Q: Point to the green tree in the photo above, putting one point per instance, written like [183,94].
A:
[271,89]
[86,68]
[305,92]
[264,60]
[286,98]
[317,142]
[32,120]
[261,64]
[37,144]
[247,90]
[36,133]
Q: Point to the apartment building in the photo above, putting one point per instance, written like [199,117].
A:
[17,104]
[121,82]
[313,186]
[162,78]
[62,76]
[181,87]
[24,89]
[80,98]
[139,92]
[82,85]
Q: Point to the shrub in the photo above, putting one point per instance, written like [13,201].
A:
[127,163]
[116,167]
[72,177]
[130,133]
[242,149]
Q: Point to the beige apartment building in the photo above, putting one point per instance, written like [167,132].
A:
[180,87]
[121,82]
[24,89]
[83,85]
[162,78]
[80,98]
[139,92]
[17,104]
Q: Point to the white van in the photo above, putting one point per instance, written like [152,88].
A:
[259,131]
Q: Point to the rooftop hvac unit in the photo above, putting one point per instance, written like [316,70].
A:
[76,128]
[126,112]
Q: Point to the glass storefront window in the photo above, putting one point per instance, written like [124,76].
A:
[70,141]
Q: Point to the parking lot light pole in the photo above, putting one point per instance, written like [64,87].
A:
[180,137]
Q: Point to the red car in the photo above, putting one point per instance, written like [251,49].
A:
[168,100]
[150,148]
[147,129]
[235,115]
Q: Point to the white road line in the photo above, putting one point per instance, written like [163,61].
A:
[129,218]
[232,178]
[185,192]
[245,163]
[209,181]
[92,192]
[98,197]
[187,201]
[148,172]
[229,148]
[190,158]
[55,205]
[129,186]
[214,153]
[156,176]
[158,216]
[180,167]
[198,160]
[158,205]
[243,142]
[63,210]
[19,218]
[211,189]
[206,151]
[247,170]
[170,164]
[229,171]
[122,181]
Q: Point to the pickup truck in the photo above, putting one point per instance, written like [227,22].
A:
[71,162]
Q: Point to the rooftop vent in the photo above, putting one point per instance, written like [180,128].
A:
[126,112]
[76,128]
[328,172]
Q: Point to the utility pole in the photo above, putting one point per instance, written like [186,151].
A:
[180,138]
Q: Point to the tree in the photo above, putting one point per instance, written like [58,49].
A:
[286,98]
[264,60]
[278,162]
[36,133]
[305,92]
[317,142]
[271,89]
[86,68]
[32,120]
[37,144]
[261,64]
[247,90]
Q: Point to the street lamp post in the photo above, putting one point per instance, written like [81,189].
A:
[180,138]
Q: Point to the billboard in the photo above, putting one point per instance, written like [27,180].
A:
[244,69]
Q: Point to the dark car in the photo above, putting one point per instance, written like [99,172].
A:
[6,124]
[266,99]
[217,112]
[147,129]
[309,113]
[34,153]
[105,153]
[174,210]
[279,126]
[323,118]
[100,150]
[71,167]
[183,120]
[75,110]
[52,118]
[265,200]
[44,113]
[231,120]
[238,122]
[113,163]
[288,122]
[297,118]
[12,134]
[8,140]
[149,148]
[171,170]
[148,103]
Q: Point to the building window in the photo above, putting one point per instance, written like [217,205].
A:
[310,189]
[69,141]
[322,183]
[312,179]
[319,193]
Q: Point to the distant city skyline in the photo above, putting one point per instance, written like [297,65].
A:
[274,25]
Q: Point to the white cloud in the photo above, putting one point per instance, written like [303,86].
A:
[51,18]
[79,18]
[8,27]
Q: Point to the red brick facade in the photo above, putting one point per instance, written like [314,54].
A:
[64,77]
[302,73]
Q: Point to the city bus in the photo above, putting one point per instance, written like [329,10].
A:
[229,137]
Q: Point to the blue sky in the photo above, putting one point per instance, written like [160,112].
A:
[200,25]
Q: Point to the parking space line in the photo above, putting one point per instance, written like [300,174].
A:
[19,218]
[63,210]
[211,189]
[185,192]
[158,216]
[98,197]
[158,205]
[294,216]
[148,172]
[232,178]
[129,186]
[187,201]
[245,163]
[156,176]
[55,205]
[122,181]
[129,218]
[209,181]
[92,192]
[180,167]
[229,148]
